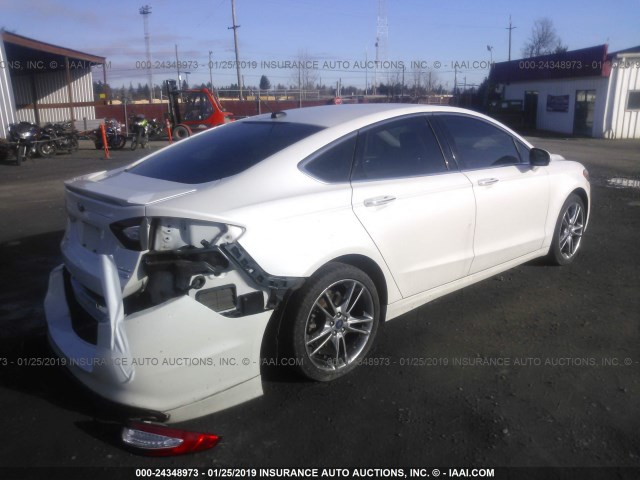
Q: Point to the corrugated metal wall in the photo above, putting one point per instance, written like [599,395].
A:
[51,88]
[7,107]
[623,123]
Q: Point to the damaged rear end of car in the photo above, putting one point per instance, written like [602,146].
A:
[158,306]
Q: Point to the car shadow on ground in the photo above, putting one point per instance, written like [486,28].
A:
[28,364]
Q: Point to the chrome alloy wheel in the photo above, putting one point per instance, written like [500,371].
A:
[571,230]
[339,325]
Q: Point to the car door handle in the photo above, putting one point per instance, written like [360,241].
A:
[487,181]
[377,201]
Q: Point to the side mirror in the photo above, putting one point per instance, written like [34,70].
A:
[539,157]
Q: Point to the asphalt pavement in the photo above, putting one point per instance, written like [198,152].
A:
[536,367]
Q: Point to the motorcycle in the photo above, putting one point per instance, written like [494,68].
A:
[140,128]
[60,136]
[24,136]
[115,138]
[156,129]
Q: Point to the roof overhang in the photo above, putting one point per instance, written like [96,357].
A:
[27,55]
[585,62]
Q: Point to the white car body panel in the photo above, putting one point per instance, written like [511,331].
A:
[441,210]
[511,211]
[290,224]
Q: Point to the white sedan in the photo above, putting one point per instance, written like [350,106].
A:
[324,221]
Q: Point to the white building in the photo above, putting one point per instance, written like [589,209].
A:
[581,92]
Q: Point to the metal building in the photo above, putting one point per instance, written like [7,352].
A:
[582,92]
[42,83]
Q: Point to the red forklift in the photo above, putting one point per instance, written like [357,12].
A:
[194,110]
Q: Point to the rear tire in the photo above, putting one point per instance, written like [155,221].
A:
[46,149]
[567,236]
[118,142]
[333,321]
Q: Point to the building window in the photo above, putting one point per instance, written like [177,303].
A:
[633,100]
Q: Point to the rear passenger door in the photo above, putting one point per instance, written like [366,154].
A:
[512,197]
[418,209]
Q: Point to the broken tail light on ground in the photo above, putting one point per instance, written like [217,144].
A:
[161,441]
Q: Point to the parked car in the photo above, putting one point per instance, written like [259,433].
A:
[326,220]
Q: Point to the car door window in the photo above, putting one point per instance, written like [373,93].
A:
[401,148]
[478,144]
[333,163]
[523,150]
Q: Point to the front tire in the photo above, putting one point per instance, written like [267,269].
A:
[567,236]
[335,318]
[135,141]
[180,132]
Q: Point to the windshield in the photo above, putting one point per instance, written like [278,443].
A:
[222,152]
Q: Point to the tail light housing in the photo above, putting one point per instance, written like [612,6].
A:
[161,441]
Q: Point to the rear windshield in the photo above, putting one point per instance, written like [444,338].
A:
[222,152]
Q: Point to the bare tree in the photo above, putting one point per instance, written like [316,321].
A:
[543,40]
[305,77]
[423,81]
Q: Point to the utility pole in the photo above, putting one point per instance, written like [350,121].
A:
[178,68]
[510,28]
[455,84]
[145,11]
[210,70]
[235,27]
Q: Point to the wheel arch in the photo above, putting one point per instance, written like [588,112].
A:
[584,197]
[275,342]
[374,272]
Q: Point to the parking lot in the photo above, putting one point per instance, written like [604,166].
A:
[537,366]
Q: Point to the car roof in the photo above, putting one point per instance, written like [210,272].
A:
[364,114]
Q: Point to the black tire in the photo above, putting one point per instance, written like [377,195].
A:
[118,142]
[46,149]
[21,154]
[567,236]
[333,320]
[135,140]
[180,132]
[73,144]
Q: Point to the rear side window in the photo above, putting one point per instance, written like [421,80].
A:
[401,148]
[478,144]
[223,152]
[333,163]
